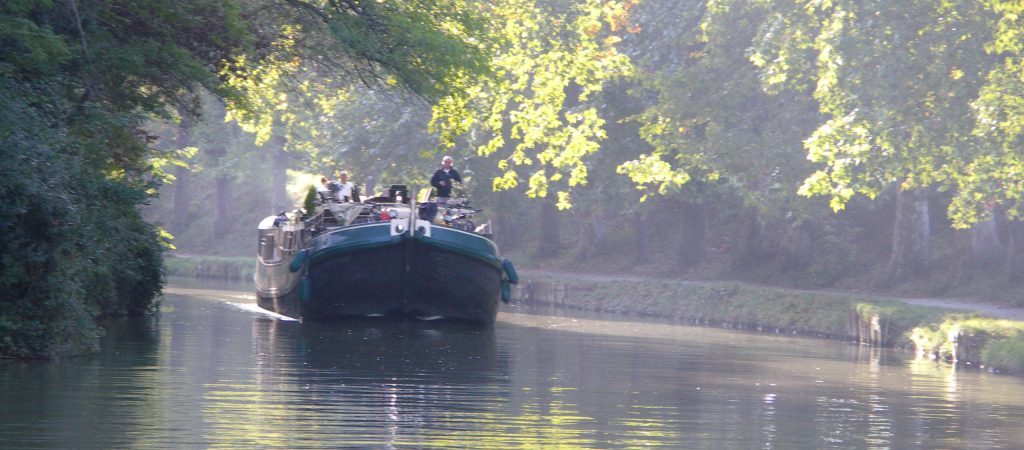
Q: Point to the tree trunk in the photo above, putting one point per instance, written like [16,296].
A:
[279,176]
[222,212]
[985,245]
[506,222]
[1015,252]
[747,247]
[550,238]
[371,187]
[593,233]
[911,238]
[962,259]
[182,183]
[693,223]
[796,251]
[639,238]
[221,193]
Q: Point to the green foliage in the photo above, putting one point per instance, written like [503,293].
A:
[422,44]
[276,94]
[218,267]
[973,339]
[309,203]
[44,313]
[535,116]
[1004,355]
[319,54]
[76,83]
[714,104]
[378,137]
[728,130]
[74,247]
[35,49]
[743,306]
[899,84]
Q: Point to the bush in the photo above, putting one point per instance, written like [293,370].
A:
[73,244]
[309,203]
[222,267]
[1005,355]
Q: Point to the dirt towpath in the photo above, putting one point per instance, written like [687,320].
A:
[990,309]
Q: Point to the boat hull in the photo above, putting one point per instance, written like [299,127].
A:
[368,270]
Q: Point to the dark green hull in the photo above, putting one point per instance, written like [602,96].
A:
[365,270]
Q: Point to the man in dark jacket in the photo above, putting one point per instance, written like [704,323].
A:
[443,178]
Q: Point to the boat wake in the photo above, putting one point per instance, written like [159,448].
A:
[254,308]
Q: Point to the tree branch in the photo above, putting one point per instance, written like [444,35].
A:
[311,9]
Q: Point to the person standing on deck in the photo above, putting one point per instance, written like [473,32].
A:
[323,190]
[345,187]
[443,178]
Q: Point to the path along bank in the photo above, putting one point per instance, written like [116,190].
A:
[972,334]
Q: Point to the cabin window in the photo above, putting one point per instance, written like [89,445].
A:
[267,248]
[289,241]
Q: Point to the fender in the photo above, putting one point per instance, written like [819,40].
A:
[506,291]
[510,271]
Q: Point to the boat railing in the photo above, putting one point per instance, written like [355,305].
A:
[454,212]
[280,236]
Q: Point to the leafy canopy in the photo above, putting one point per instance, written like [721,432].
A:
[534,114]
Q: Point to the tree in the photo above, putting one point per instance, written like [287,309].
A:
[549,59]
[895,82]
[80,79]
[714,125]
[77,82]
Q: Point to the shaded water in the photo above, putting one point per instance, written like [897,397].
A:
[209,373]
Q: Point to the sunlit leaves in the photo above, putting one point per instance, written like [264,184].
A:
[276,94]
[160,163]
[841,144]
[166,238]
[321,52]
[419,44]
[1009,33]
[652,170]
[538,184]
[897,82]
[713,119]
[548,63]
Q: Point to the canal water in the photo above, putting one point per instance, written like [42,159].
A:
[211,371]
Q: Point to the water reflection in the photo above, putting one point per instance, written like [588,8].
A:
[360,384]
[207,374]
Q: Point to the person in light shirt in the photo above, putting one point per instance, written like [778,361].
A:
[344,187]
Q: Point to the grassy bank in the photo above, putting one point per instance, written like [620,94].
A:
[966,339]
[933,331]
[222,267]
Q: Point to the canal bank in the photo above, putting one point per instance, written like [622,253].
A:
[961,336]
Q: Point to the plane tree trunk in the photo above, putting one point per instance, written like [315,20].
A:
[592,236]
[222,213]
[221,193]
[182,182]
[747,241]
[911,237]
[1014,259]
[279,175]
[985,245]
[550,239]
[692,246]
[796,250]
[639,238]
